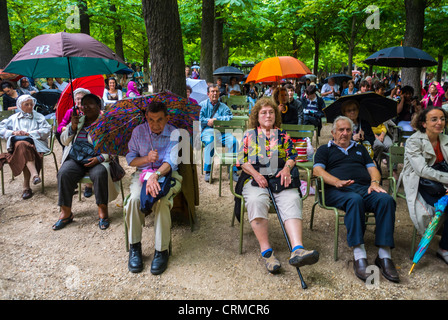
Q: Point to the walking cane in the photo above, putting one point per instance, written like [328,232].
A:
[304,286]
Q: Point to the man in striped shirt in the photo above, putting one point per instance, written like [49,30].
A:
[154,154]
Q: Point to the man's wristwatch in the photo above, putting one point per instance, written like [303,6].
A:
[158,173]
[376,181]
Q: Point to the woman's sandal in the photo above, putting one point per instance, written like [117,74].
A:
[104,223]
[61,223]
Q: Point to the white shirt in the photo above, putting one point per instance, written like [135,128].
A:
[61,86]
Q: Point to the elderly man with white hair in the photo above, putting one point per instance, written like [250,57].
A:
[352,184]
[26,133]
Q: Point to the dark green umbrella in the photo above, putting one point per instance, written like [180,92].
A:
[64,55]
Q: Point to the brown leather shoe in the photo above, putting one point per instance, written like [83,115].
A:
[28,193]
[360,267]
[388,269]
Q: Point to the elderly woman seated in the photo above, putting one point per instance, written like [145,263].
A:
[79,159]
[266,146]
[26,133]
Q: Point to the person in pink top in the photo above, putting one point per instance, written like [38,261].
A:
[434,96]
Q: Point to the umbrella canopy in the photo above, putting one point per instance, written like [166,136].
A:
[64,55]
[228,71]
[401,57]
[277,68]
[124,71]
[374,108]
[112,130]
[430,230]
[95,84]
[199,89]
[311,77]
[339,78]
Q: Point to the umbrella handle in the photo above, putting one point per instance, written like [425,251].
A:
[412,268]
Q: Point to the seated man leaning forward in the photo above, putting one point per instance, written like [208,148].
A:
[211,110]
[352,184]
[154,154]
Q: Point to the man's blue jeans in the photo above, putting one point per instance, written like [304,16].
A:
[227,140]
[356,201]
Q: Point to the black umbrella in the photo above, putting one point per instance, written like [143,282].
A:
[228,71]
[401,57]
[339,78]
[374,108]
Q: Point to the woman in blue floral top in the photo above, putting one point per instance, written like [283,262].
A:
[265,149]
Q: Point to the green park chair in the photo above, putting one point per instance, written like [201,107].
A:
[339,217]
[225,157]
[53,125]
[298,131]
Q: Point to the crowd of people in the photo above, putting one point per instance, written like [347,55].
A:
[266,157]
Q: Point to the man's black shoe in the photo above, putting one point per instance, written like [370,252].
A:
[160,262]
[135,264]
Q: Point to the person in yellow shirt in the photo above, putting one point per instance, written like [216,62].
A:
[382,142]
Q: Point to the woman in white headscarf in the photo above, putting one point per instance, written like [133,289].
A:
[26,133]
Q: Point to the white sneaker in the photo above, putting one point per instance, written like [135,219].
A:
[207,177]
[442,254]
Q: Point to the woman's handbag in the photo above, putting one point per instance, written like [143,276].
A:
[82,151]
[147,201]
[433,187]
[15,139]
[275,182]
[116,170]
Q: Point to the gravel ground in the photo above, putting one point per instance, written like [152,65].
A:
[82,262]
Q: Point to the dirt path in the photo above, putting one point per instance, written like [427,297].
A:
[83,262]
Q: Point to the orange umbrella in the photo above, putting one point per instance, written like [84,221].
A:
[277,68]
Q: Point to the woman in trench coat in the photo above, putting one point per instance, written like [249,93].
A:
[426,147]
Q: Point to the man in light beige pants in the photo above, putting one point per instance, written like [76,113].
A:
[154,154]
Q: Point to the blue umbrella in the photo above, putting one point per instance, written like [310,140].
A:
[430,231]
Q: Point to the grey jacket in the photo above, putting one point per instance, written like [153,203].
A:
[418,159]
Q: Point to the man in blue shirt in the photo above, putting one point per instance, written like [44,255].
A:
[352,184]
[154,154]
[212,109]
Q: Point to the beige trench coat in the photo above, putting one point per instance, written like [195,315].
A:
[66,139]
[418,159]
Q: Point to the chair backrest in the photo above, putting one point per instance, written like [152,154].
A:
[297,131]
[6,114]
[396,156]
[400,135]
[234,126]
[53,124]
[240,102]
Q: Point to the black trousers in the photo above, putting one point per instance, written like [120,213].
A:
[70,174]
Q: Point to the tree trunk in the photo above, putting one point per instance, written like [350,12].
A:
[165,45]
[351,46]
[316,56]
[439,67]
[208,18]
[84,19]
[118,33]
[413,37]
[218,44]
[5,36]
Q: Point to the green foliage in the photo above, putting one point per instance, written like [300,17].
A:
[253,29]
